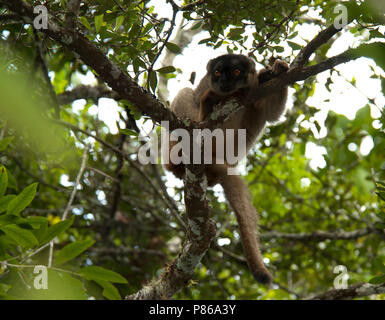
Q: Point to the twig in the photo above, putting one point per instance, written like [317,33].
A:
[192,5]
[72,197]
[36,177]
[77,182]
[117,187]
[169,32]
[102,173]
[87,92]
[276,30]
[39,60]
[33,266]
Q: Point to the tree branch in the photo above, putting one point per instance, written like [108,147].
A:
[323,37]
[182,38]
[71,200]
[40,61]
[168,35]
[87,92]
[319,235]
[201,231]
[298,74]
[353,291]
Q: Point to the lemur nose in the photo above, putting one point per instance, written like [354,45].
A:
[226,88]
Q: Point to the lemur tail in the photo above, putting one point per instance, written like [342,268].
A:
[237,194]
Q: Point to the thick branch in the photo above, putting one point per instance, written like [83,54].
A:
[201,231]
[323,37]
[299,74]
[354,291]
[87,92]
[319,235]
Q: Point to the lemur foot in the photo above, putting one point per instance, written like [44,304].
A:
[270,72]
[279,67]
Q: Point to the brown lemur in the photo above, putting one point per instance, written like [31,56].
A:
[233,76]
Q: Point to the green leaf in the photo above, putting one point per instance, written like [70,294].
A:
[153,81]
[98,273]
[12,181]
[279,49]
[5,142]
[363,119]
[129,132]
[61,286]
[109,290]
[85,23]
[98,22]
[36,221]
[381,195]
[72,250]
[373,50]
[135,112]
[294,46]
[22,200]
[147,28]
[196,26]
[168,69]
[379,225]
[378,265]
[377,280]
[55,230]
[6,219]
[173,47]
[118,23]
[3,180]
[4,288]
[381,215]
[206,40]
[23,237]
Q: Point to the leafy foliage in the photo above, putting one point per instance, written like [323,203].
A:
[122,229]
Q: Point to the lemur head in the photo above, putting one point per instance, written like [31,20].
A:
[230,72]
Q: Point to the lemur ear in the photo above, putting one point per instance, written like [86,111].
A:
[252,64]
[209,65]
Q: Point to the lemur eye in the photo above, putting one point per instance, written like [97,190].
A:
[217,73]
[236,72]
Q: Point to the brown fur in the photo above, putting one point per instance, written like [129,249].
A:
[198,104]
